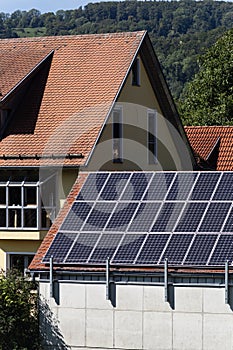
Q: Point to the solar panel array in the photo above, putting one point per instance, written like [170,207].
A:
[141,218]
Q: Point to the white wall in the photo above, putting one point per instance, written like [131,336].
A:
[198,320]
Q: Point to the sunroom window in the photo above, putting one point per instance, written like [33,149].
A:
[26,204]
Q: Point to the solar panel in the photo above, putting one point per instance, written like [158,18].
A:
[92,186]
[223,250]
[128,249]
[167,217]
[141,218]
[159,186]
[228,227]
[152,249]
[205,186]
[144,217]
[177,248]
[105,247]
[60,247]
[136,186]
[224,190]
[200,249]
[214,217]
[76,216]
[99,216]
[182,186]
[121,216]
[114,186]
[191,217]
[82,247]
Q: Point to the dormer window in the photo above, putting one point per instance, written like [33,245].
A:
[136,72]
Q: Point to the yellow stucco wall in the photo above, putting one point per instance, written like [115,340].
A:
[135,102]
[16,246]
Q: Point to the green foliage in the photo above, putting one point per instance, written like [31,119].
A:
[208,99]
[18,313]
[180,30]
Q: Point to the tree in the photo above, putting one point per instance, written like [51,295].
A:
[208,99]
[19,329]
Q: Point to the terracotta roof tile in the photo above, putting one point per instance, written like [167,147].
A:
[85,75]
[204,138]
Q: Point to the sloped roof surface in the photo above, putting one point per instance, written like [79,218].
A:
[204,138]
[138,219]
[85,75]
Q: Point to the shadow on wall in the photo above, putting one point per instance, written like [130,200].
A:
[51,337]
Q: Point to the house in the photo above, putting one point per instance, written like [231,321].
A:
[98,102]
[213,144]
[138,258]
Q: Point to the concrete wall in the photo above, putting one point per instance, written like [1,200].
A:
[82,318]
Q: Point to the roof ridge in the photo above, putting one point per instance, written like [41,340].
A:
[207,126]
[81,36]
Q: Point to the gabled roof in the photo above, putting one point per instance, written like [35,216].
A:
[59,91]
[207,140]
[82,76]
[137,219]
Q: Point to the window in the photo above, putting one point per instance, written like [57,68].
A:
[19,261]
[117,135]
[151,137]
[136,72]
[27,205]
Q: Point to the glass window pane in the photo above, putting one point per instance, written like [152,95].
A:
[2,195]
[2,217]
[14,218]
[15,196]
[45,218]
[30,219]
[30,196]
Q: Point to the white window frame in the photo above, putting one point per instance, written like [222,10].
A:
[117,143]
[22,207]
[152,156]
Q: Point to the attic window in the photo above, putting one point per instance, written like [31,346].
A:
[151,137]
[117,135]
[136,72]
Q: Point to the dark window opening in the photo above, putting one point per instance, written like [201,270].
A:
[14,196]
[136,72]
[30,218]
[151,138]
[20,262]
[117,133]
[30,196]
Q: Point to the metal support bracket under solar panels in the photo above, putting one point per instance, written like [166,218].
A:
[227,282]
[107,279]
[166,280]
[51,276]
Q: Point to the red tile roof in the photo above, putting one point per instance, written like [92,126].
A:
[85,76]
[204,138]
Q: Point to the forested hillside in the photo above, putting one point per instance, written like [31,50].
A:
[179,30]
